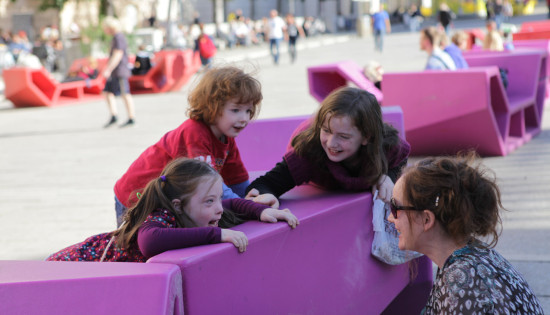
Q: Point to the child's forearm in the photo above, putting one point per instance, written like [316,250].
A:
[154,239]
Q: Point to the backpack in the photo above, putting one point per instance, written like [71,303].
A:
[207,48]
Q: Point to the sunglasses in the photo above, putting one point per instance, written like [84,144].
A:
[394,207]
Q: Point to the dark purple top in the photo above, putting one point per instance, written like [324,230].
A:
[159,233]
[121,70]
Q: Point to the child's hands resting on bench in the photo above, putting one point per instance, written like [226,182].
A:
[384,187]
[265,199]
[238,238]
[272,215]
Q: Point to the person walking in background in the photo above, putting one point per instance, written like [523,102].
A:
[117,73]
[444,17]
[276,29]
[380,25]
[294,31]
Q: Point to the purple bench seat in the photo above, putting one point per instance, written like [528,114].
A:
[45,287]
[326,78]
[324,266]
[446,112]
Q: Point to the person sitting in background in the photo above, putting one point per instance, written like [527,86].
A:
[493,41]
[84,72]
[460,39]
[453,51]
[437,58]
[143,63]
[374,71]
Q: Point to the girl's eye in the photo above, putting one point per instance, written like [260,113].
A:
[345,137]
[325,130]
[235,110]
[210,201]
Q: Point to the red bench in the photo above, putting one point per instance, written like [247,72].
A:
[172,69]
[35,87]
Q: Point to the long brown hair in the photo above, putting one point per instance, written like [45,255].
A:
[462,194]
[363,109]
[179,180]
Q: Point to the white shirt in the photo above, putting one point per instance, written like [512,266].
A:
[276,26]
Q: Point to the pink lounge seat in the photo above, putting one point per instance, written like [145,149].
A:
[446,112]
[326,78]
[46,287]
[324,266]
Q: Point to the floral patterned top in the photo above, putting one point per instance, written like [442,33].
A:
[478,280]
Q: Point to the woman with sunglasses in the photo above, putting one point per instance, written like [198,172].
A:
[440,207]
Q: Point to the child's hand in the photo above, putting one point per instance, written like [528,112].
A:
[264,199]
[273,215]
[238,239]
[385,188]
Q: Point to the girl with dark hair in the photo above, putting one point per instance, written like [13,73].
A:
[441,206]
[181,208]
[347,146]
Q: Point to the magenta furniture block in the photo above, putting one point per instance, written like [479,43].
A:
[44,287]
[324,79]
[538,44]
[449,111]
[527,87]
[263,143]
[324,266]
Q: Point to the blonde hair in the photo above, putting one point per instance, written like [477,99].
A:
[493,41]
[112,23]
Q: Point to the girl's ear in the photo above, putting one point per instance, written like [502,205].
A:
[177,205]
[428,219]
[365,141]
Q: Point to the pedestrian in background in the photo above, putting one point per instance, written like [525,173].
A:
[380,25]
[117,72]
[276,29]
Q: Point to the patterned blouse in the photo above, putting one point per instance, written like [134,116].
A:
[478,280]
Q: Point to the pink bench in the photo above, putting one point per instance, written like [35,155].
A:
[535,26]
[44,287]
[324,79]
[446,112]
[322,267]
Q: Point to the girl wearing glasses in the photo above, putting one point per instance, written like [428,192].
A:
[440,207]
[347,146]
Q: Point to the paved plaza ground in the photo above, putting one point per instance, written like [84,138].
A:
[58,165]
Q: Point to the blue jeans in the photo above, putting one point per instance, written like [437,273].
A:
[120,210]
[274,42]
[378,40]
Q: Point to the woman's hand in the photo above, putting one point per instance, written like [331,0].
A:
[272,215]
[238,239]
[385,188]
[264,199]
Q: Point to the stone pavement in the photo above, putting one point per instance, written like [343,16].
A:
[58,165]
